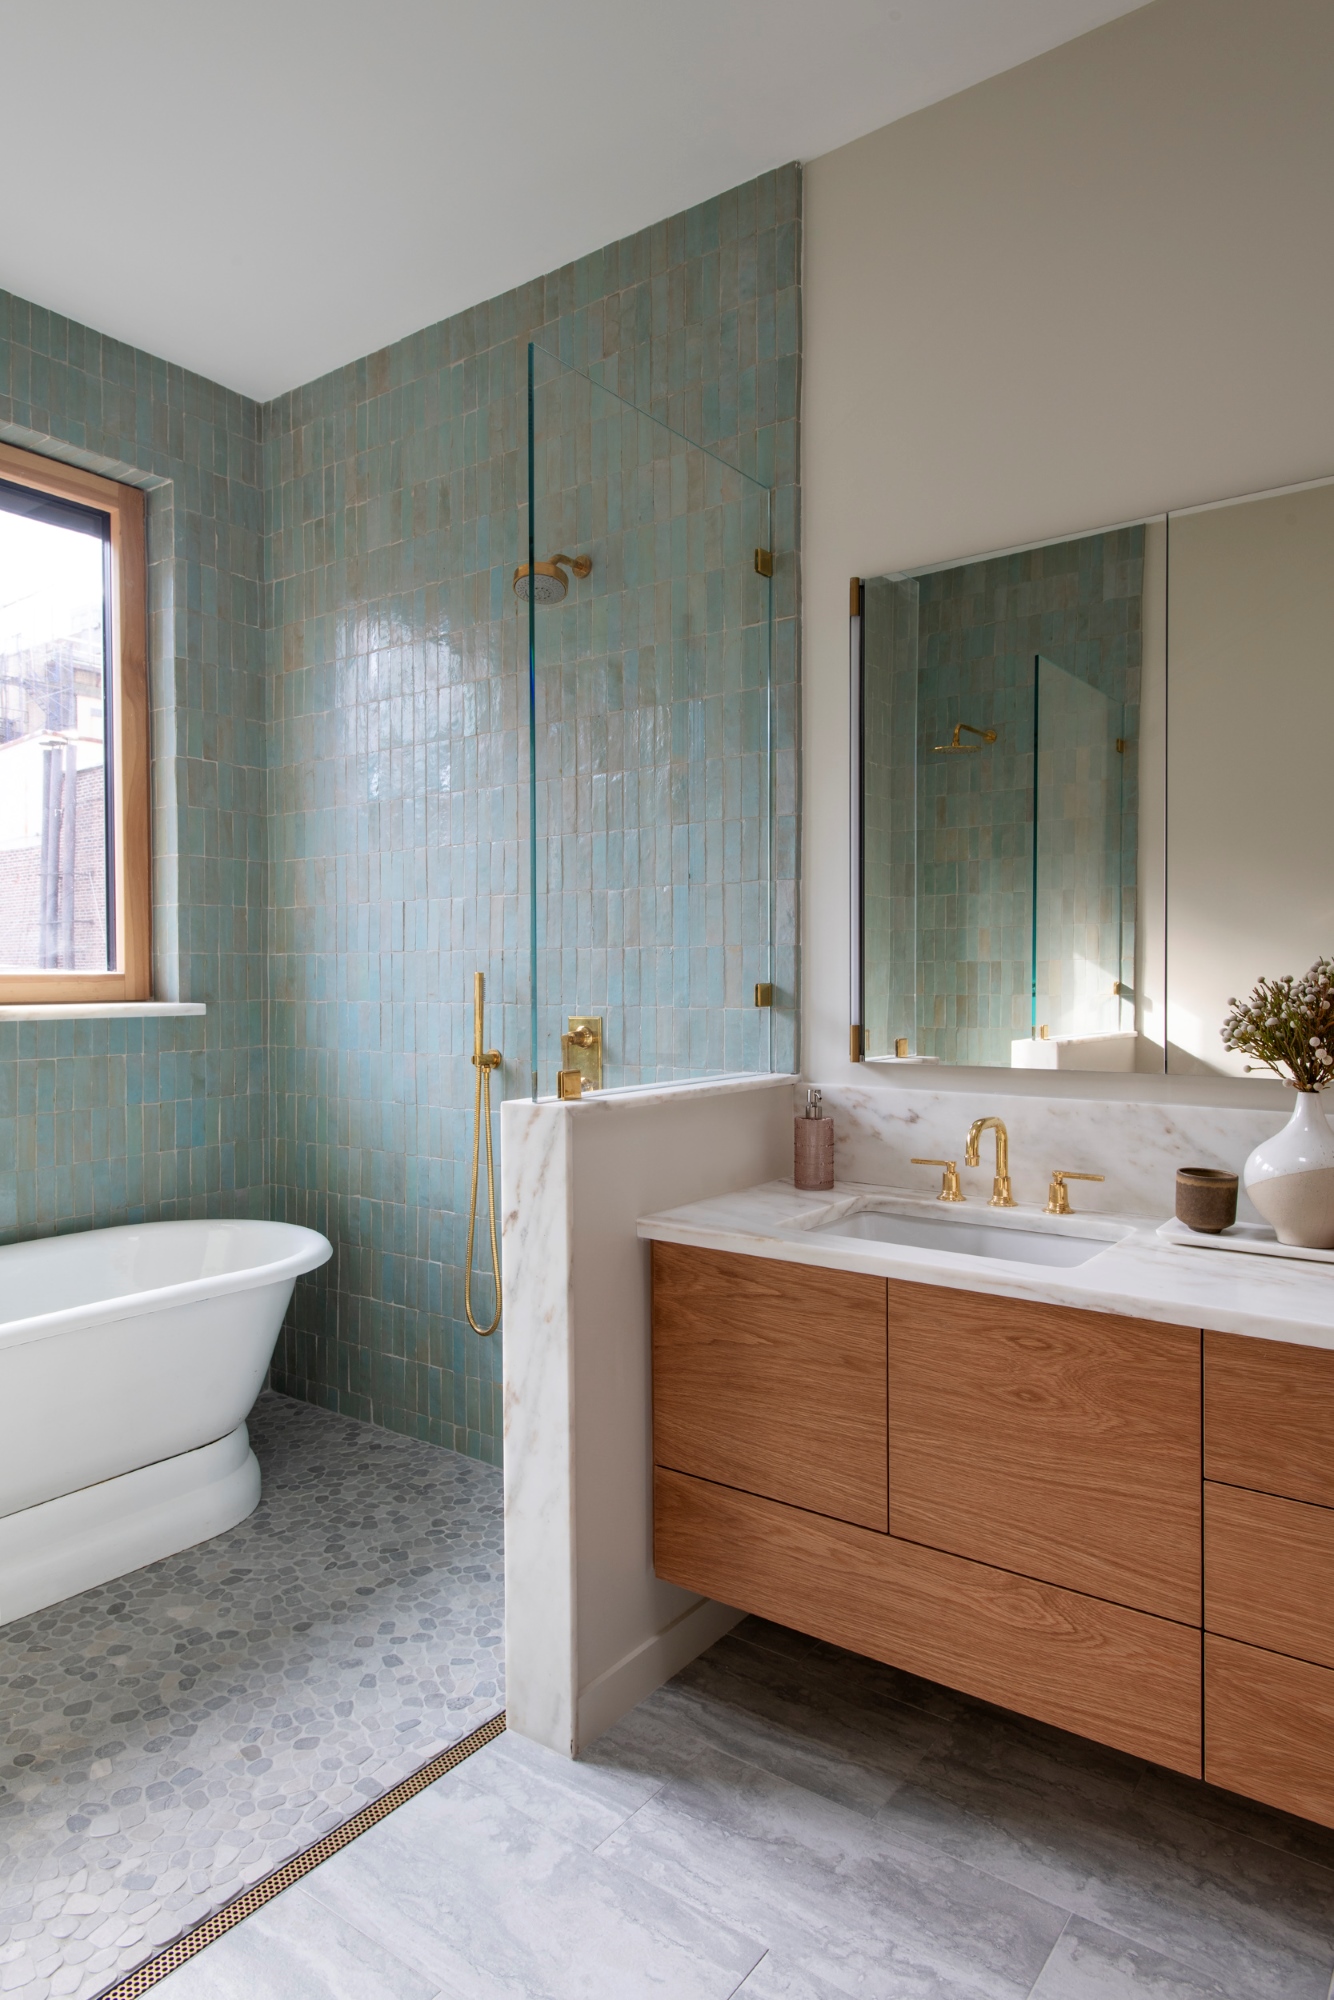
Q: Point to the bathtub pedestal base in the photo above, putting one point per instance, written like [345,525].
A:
[63,1546]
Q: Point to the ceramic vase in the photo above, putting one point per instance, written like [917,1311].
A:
[1290,1177]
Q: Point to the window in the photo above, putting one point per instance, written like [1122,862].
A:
[75,902]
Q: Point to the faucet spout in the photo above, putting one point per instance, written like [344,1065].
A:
[1001,1196]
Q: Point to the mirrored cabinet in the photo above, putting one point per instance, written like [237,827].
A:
[1090,789]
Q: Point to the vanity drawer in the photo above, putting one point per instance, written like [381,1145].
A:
[1269,1727]
[772,1377]
[1061,1444]
[1118,1676]
[1269,1572]
[1269,1416]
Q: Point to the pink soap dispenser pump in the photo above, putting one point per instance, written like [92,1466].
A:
[813,1146]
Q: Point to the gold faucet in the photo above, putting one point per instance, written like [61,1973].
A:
[1000,1187]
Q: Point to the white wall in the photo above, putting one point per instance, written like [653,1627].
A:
[1090,289]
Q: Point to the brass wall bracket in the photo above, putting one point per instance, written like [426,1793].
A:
[581,1050]
[569,1085]
[764,993]
[764,562]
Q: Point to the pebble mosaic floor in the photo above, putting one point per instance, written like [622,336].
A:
[169,1738]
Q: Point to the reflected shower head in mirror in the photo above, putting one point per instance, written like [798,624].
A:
[987,735]
[550,582]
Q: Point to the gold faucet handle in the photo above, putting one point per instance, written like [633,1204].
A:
[1058,1201]
[581,1037]
[949,1180]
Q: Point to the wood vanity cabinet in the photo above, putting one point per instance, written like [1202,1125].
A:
[1062,1445]
[1000,1496]
[1269,1572]
[771,1377]
[1120,1527]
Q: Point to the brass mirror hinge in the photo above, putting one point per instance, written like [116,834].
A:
[855,1047]
[764,562]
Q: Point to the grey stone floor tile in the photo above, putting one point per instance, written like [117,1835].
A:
[296,1949]
[1089,1962]
[817,1880]
[172,1736]
[1245,1816]
[746,1702]
[495,1906]
[581,1803]
[1257,1922]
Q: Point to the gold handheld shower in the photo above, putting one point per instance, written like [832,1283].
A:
[987,735]
[484,1061]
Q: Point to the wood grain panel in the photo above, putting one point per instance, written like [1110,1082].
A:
[771,1377]
[1061,1444]
[1269,1728]
[1269,1416]
[1269,1572]
[1098,1669]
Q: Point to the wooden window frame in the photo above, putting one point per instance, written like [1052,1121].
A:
[133,943]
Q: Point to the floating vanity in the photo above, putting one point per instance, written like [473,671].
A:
[1056,1462]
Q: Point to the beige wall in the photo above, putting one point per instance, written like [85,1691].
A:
[1088,290]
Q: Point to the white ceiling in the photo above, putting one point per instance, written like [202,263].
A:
[264,189]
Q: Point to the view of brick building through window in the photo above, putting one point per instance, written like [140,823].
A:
[53,765]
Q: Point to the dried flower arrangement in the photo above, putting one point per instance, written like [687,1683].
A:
[1289,1024]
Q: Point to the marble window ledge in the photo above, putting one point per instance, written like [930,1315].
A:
[98,1010]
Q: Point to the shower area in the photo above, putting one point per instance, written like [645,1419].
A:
[643,599]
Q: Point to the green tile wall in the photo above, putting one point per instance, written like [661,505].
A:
[338,768]
[395,490]
[113,1121]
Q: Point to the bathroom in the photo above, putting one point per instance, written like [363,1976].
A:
[410,1704]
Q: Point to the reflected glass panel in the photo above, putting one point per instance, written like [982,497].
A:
[1084,859]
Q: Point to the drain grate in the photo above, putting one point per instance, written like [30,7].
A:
[211,1928]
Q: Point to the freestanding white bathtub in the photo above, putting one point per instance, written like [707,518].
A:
[128,1360]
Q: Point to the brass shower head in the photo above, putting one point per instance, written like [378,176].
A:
[550,581]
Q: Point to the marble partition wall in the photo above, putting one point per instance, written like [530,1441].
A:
[1137,1146]
[589,1629]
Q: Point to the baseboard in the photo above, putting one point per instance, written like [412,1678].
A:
[80,1540]
[615,1692]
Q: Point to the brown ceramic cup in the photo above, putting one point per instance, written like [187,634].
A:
[1206,1199]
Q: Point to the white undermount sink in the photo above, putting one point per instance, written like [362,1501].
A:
[971,1236]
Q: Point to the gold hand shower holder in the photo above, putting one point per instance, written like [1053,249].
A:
[484,1061]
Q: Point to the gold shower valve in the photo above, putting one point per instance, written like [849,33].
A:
[581,1051]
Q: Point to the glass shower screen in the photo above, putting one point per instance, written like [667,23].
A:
[647,621]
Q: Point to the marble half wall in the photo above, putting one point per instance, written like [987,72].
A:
[590,1630]
[1138,1146]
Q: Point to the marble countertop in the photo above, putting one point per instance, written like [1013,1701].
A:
[1137,1273]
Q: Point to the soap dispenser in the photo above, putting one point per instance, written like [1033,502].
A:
[813,1146]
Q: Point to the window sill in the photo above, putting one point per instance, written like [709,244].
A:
[97,1010]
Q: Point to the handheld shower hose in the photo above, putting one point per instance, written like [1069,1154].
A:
[484,1061]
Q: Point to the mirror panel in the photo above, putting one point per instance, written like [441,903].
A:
[1250,889]
[1000,700]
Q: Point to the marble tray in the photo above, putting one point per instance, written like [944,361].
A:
[1257,1239]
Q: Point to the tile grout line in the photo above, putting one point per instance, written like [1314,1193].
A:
[1069,1919]
[132,1984]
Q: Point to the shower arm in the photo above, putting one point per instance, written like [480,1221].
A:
[484,1061]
